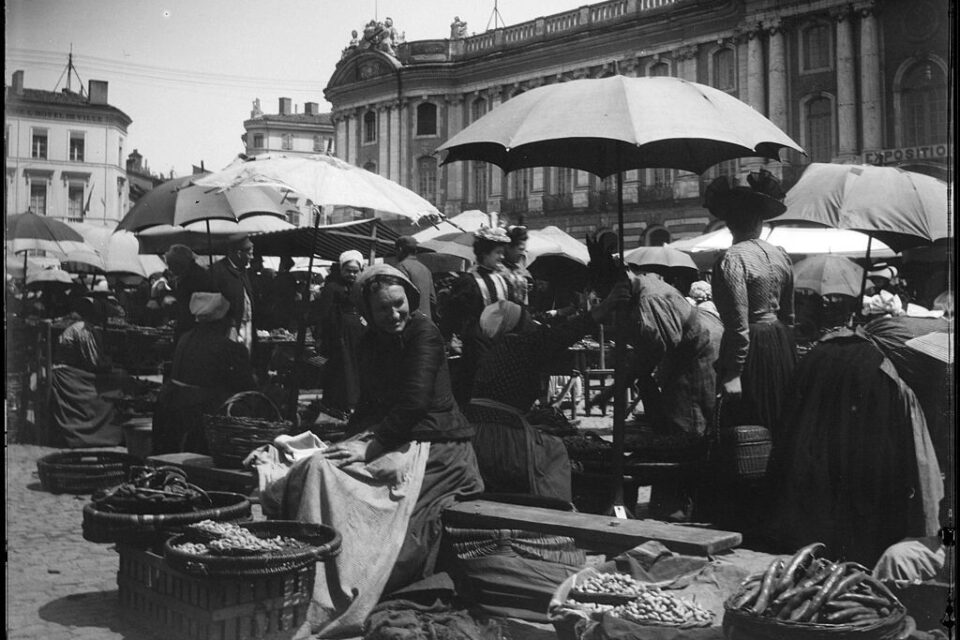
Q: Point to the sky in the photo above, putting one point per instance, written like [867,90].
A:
[187,71]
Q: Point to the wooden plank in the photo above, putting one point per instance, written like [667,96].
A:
[589,530]
[200,471]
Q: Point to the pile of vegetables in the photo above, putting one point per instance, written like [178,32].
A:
[638,602]
[152,490]
[809,589]
[230,539]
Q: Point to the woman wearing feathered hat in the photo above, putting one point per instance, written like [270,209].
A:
[753,291]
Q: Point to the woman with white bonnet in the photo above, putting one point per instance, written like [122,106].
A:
[208,367]
[338,332]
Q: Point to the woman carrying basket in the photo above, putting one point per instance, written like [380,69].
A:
[208,367]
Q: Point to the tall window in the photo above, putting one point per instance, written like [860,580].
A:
[38,197]
[76,146]
[819,130]
[293,217]
[480,183]
[564,181]
[816,43]
[477,108]
[286,142]
[924,105]
[370,126]
[427,119]
[427,178]
[38,145]
[724,70]
[659,69]
[662,178]
[75,202]
[521,184]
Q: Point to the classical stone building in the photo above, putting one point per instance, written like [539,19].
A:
[64,153]
[861,81]
[288,132]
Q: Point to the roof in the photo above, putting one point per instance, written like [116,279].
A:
[328,241]
[58,98]
[292,118]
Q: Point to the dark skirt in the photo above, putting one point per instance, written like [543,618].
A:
[844,470]
[765,378]
[451,474]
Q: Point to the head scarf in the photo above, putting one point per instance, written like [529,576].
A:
[351,256]
[208,307]
[701,291]
[500,317]
[368,275]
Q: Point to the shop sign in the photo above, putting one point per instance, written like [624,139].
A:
[906,154]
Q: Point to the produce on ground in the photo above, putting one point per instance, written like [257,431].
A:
[231,539]
[646,604]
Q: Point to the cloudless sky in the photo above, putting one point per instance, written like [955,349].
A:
[187,71]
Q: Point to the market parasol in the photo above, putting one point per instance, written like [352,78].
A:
[210,237]
[901,208]
[660,257]
[27,232]
[610,125]
[48,276]
[828,275]
[470,220]
[119,250]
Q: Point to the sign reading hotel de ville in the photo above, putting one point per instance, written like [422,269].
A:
[904,154]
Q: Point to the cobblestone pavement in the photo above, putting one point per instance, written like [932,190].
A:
[59,586]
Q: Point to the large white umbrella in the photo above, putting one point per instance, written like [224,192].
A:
[119,250]
[213,242]
[467,221]
[794,240]
[325,181]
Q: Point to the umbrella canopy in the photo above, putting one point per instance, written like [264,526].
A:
[178,202]
[195,235]
[83,261]
[658,122]
[828,275]
[119,250]
[570,247]
[34,263]
[28,231]
[794,240]
[659,257]
[901,208]
[49,276]
[329,241]
[325,181]
[467,221]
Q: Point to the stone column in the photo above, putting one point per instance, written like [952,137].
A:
[354,126]
[340,123]
[383,142]
[871,106]
[495,195]
[777,73]
[756,89]
[393,151]
[846,85]
[454,171]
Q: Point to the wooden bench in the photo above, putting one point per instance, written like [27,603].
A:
[598,533]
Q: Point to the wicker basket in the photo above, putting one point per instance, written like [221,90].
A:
[105,526]
[83,472]
[746,626]
[321,543]
[745,450]
[231,438]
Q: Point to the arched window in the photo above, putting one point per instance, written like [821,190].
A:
[480,184]
[658,69]
[427,178]
[923,105]
[286,142]
[818,129]
[816,47]
[656,236]
[370,166]
[477,109]
[427,119]
[724,70]
[370,126]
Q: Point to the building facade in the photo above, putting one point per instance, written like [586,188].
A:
[288,132]
[863,81]
[64,153]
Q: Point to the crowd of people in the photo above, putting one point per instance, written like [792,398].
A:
[436,378]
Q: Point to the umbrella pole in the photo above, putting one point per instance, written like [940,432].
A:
[209,243]
[619,377]
[863,278]
[294,392]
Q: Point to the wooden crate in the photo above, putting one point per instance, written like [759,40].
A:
[172,604]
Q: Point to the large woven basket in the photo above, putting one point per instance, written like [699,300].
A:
[231,438]
[321,543]
[105,526]
[83,472]
[741,625]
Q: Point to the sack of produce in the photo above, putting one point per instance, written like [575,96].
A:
[807,597]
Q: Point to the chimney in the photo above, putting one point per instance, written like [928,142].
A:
[98,92]
[311,108]
[285,106]
[18,82]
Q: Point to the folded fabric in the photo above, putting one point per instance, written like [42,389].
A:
[300,446]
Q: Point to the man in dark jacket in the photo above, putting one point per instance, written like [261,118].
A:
[418,273]
[230,277]
[189,277]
